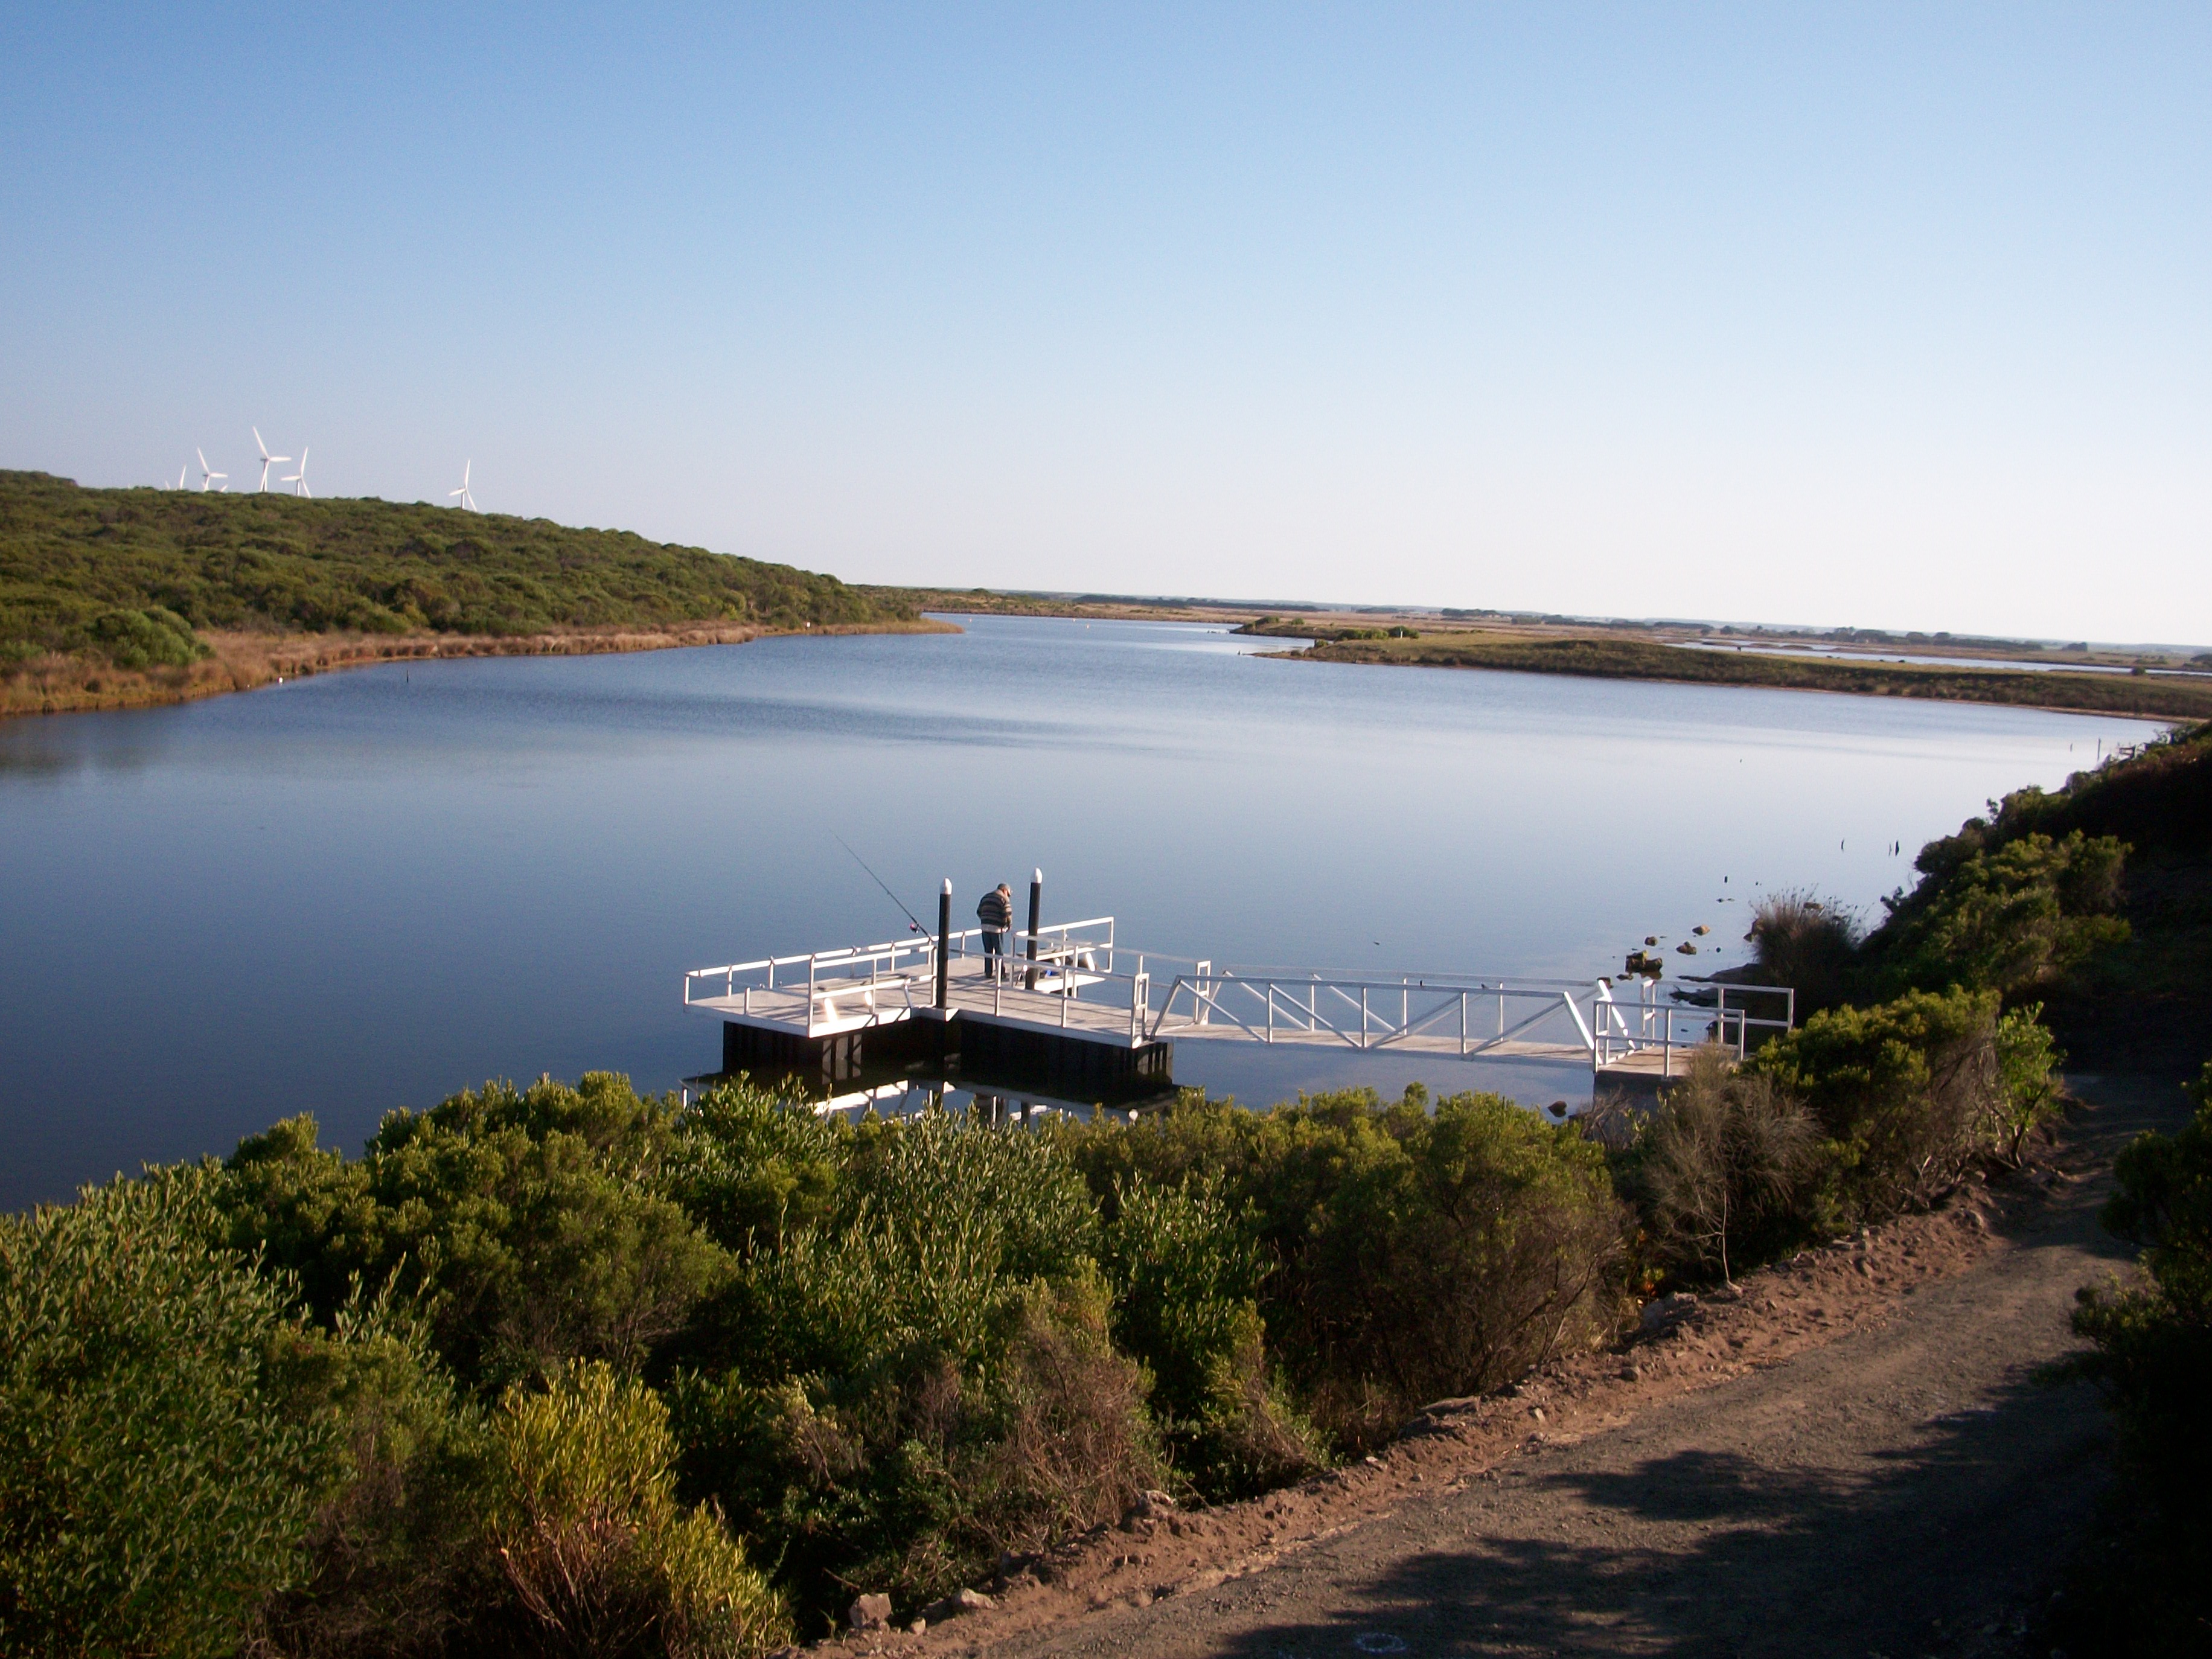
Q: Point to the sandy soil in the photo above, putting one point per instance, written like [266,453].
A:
[1850,1456]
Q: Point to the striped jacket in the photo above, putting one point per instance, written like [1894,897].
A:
[996,912]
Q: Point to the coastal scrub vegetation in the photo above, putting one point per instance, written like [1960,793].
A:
[569,1369]
[133,577]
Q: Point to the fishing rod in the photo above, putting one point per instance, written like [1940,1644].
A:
[914,922]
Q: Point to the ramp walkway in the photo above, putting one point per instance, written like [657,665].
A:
[1073,983]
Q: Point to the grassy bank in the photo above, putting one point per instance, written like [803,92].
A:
[113,597]
[2145,695]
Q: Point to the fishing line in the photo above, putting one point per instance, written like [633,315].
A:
[912,921]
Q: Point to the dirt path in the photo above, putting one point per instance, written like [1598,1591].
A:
[1854,1459]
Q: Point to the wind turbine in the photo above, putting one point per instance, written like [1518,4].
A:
[267,460]
[468,502]
[181,471]
[300,476]
[207,477]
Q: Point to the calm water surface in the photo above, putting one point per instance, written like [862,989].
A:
[367,889]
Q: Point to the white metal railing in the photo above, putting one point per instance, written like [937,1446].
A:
[824,989]
[1621,1029]
[1062,941]
[1474,1016]
[829,991]
[1370,1014]
[1148,995]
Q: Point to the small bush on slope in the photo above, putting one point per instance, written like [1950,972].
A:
[597,1555]
[1907,1093]
[1807,944]
[1724,1167]
[1189,1275]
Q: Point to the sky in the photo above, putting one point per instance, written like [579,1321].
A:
[1885,316]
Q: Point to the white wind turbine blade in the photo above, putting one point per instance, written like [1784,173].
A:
[300,476]
[267,460]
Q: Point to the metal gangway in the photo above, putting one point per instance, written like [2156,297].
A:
[1080,981]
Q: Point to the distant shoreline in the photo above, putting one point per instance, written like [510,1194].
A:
[245,660]
[2119,695]
[1652,653]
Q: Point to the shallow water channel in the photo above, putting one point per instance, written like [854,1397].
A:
[367,889]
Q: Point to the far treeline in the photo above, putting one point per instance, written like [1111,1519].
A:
[2144,694]
[135,577]
[563,1370]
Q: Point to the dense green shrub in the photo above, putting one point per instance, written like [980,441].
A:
[596,1554]
[2030,1093]
[900,1377]
[1450,1251]
[1189,1272]
[1411,1253]
[1907,1093]
[155,636]
[395,1560]
[533,1225]
[750,1172]
[162,1449]
[2006,919]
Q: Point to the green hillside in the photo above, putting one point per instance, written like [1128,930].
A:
[108,573]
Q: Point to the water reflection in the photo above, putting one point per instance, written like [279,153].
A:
[366,890]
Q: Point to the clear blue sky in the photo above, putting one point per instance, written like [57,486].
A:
[1889,317]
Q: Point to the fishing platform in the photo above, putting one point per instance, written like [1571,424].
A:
[1073,1012]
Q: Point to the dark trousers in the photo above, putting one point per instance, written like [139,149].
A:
[994,946]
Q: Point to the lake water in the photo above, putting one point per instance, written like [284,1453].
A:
[368,889]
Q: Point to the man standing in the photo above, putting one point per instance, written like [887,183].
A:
[995,910]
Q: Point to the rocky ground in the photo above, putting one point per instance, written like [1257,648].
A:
[1852,1453]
